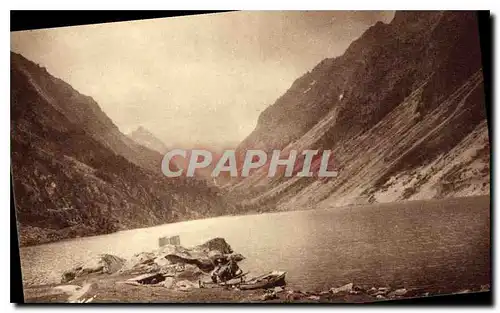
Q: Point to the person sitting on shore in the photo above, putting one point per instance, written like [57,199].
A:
[226,271]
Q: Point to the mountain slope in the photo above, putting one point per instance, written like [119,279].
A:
[69,181]
[84,111]
[402,103]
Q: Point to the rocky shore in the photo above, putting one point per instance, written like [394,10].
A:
[173,273]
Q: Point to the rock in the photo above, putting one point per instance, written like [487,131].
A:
[147,262]
[185,285]
[90,299]
[384,289]
[398,292]
[358,289]
[202,257]
[101,264]
[485,287]
[380,297]
[189,272]
[144,258]
[425,294]
[161,261]
[323,293]
[168,282]
[345,288]
[463,291]
[199,256]
[372,290]
[278,289]
[105,263]
[292,295]
[69,275]
[314,298]
[68,289]
[213,255]
[237,257]
[79,293]
[148,279]
[217,244]
[268,296]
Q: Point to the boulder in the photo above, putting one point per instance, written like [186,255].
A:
[68,289]
[143,258]
[292,295]
[175,260]
[189,272]
[313,298]
[185,285]
[79,293]
[161,261]
[398,292]
[372,290]
[101,264]
[168,282]
[203,263]
[202,256]
[148,279]
[358,288]
[148,262]
[346,288]
[269,296]
[237,257]
[216,244]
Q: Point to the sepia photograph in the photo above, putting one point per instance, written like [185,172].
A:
[252,157]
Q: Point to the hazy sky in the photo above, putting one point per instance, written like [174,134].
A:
[200,79]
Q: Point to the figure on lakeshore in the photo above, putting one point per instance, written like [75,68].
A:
[225,269]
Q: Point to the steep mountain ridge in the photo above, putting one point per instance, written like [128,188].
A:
[392,57]
[69,182]
[84,111]
[403,98]
[145,138]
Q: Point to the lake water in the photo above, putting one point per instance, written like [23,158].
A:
[434,244]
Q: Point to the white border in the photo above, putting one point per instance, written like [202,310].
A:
[189,5]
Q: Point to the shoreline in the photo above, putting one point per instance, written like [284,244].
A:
[111,289]
[244,214]
[173,273]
